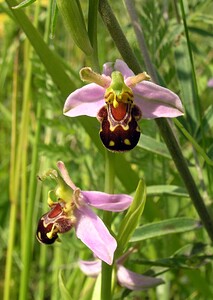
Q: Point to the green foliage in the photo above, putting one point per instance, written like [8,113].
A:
[132,217]
[40,62]
[162,228]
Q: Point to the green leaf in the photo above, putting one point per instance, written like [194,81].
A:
[185,78]
[178,261]
[132,217]
[165,227]
[54,15]
[207,123]
[151,145]
[73,19]
[200,31]
[97,289]
[63,290]
[194,143]
[24,4]
[172,190]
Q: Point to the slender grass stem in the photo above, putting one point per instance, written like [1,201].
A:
[13,198]
[28,237]
[25,134]
[14,182]
[29,226]
[163,124]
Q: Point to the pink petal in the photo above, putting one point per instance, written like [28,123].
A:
[85,101]
[108,68]
[210,83]
[156,101]
[90,268]
[94,234]
[105,201]
[134,281]
[65,174]
[122,67]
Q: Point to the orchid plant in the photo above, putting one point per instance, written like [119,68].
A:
[119,99]
[72,210]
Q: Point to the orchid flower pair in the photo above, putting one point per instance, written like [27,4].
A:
[119,99]
[72,210]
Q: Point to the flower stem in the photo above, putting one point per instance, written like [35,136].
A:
[109,172]
[163,124]
[106,275]
[118,35]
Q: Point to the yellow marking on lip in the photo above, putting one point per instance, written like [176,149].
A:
[127,142]
[111,143]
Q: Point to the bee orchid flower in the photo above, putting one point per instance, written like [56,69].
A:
[119,99]
[72,210]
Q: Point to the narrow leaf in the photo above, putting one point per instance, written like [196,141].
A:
[97,289]
[172,190]
[194,143]
[165,227]
[73,19]
[24,4]
[63,290]
[151,145]
[185,78]
[54,15]
[132,217]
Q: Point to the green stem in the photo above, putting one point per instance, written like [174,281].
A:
[25,134]
[57,261]
[163,124]
[182,167]
[106,275]
[12,191]
[117,35]
[28,235]
[109,172]
[29,226]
